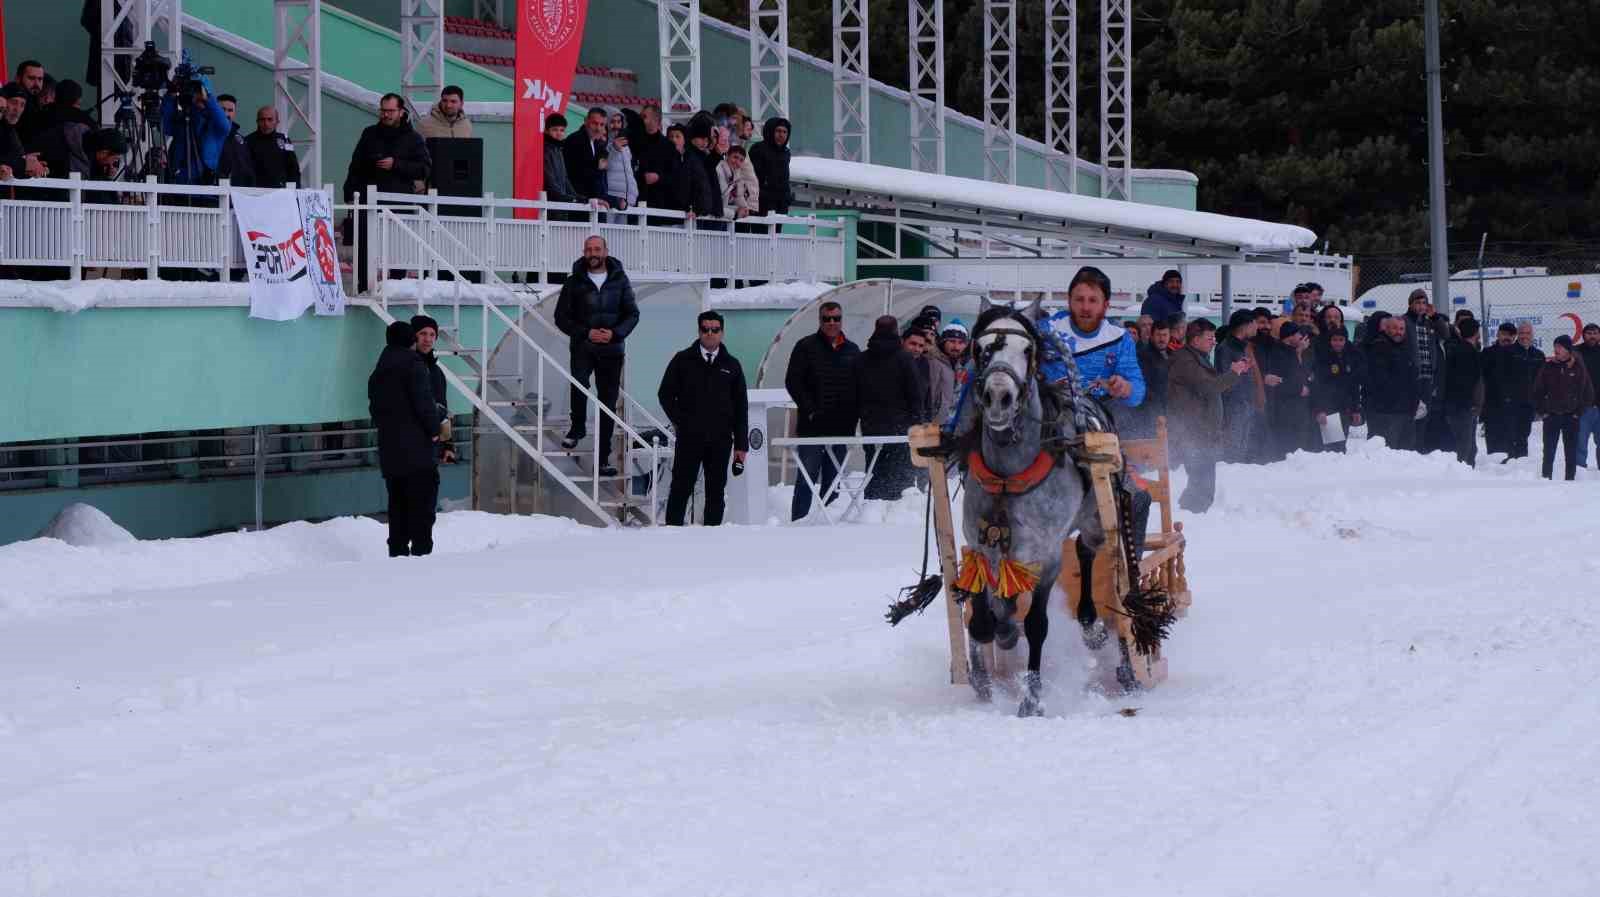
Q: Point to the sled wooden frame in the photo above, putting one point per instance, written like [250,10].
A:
[1161,566]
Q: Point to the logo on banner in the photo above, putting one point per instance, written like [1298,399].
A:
[277,260]
[553,22]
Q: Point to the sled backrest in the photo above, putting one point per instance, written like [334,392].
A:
[1151,455]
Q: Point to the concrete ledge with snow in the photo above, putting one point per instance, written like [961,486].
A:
[1386,686]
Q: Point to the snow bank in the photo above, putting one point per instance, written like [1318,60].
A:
[65,296]
[85,526]
[39,575]
[782,295]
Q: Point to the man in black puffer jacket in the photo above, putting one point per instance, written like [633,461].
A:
[770,158]
[1393,393]
[401,403]
[427,332]
[821,379]
[891,396]
[596,311]
[390,156]
[703,393]
[1463,389]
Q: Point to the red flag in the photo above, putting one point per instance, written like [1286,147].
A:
[3,39]
[548,37]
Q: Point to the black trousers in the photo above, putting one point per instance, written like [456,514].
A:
[1201,490]
[1519,425]
[1565,428]
[1463,434]
[822,464]
[689,458]
[1399,431]
[607,372]
[413,499]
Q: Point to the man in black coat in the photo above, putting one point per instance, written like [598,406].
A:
[390,156]
[585,154]
[1463,389]
[1588,352]
[770,158]
[821,380]
[597,311]
[1336,384]
[1392,390]
[687,187]
[271,152]
[401,403]
[890,396]
[650,155]
[704,395]
[427,331]
[1509,369]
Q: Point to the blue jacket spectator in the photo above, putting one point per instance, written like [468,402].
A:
[204,129]
[1164,299]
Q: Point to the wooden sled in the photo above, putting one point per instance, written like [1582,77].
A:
[1161,565]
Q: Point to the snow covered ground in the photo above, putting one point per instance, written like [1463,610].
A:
[1387,685]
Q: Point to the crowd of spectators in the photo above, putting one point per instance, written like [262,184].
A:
[707,167]
[1298,381]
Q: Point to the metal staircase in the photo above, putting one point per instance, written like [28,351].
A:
[507,406]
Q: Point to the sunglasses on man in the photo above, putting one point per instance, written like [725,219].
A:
[832,319]
[710,329]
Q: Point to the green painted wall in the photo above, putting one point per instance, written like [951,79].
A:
[142,370]
[179,509]
[749,333]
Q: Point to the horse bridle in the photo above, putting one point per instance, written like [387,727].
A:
[1024,381]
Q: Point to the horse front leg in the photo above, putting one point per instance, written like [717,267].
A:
[980,632]
[1036,626]
[1095,633]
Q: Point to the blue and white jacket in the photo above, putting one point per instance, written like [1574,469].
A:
[1108,351]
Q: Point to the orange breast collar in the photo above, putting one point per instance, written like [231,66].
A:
[994,484]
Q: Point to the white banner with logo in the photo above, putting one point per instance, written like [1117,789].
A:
[289,248]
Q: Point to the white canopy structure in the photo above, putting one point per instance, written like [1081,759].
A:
[862,302]
[952,218]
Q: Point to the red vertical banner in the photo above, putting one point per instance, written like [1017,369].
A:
[3,39]
[549,35]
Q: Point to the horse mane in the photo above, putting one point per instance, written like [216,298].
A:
[994,313]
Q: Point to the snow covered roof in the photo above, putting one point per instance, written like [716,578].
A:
[1122,220]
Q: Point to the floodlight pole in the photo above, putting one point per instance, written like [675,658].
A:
[1437,213]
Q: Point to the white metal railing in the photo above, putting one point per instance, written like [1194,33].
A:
[844,481]
[154,226]
[652,241]
[121,224]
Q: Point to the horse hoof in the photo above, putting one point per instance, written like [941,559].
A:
[1126,678]
[983,690]
[1032,686]
[1095,635]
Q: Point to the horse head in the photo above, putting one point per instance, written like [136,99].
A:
[1006,350]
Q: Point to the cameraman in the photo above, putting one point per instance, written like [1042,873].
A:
[197,127]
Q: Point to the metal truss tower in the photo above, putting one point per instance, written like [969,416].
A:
[1000,90]
[769,59]
[421,53]
[1116,99]
[297,82]
[144,16]
[490,11]
[678,27]
[926,40]
[1061,94]
[852,115]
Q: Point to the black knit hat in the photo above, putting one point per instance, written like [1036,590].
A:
[420,321]
[400,335]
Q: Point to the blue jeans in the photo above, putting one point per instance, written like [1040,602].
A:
[822,470]
[1588,428]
